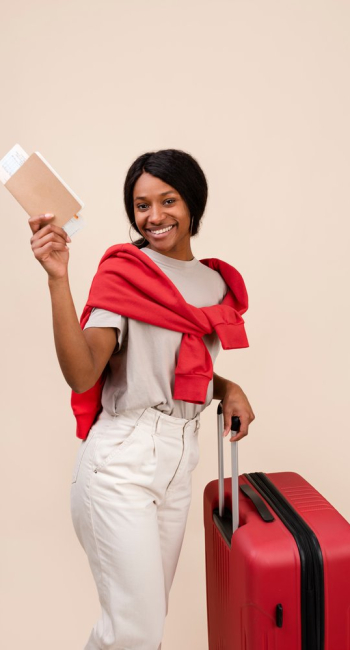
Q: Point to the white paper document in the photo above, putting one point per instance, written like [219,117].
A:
[10,163]
[74,225]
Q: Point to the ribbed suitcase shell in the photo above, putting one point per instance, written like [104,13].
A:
[261,570]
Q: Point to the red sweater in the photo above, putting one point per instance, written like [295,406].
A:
[129,283]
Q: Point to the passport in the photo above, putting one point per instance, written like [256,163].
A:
[39,189]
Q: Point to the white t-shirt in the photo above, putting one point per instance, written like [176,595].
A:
[141,370]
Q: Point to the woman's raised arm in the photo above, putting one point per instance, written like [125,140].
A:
[82,355]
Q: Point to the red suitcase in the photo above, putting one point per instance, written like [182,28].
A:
[281,579]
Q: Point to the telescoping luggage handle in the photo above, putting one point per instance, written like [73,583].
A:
[235,426]
[247,490]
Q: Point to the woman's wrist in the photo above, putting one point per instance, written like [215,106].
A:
[57,281]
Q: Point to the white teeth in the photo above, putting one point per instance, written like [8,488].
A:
[159,232]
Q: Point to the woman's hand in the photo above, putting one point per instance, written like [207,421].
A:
[49,245]
[235,402]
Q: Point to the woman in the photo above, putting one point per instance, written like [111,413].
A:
[131,485]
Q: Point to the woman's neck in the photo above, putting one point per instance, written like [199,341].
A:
[185,254]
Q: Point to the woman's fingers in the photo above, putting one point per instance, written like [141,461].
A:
[45,250]
[41,222]
[35,223]
[49,245]
[239,436]
[246,418]
[45,237]
[50,228]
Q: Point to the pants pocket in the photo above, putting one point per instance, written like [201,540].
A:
[84,445]
[113,442]
[193,455]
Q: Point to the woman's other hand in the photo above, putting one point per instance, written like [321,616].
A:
[235,402]
[49,245]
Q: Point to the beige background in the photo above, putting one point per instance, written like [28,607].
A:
[258,92]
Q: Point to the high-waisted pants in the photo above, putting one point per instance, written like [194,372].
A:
[130,496]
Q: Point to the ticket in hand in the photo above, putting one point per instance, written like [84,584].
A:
[39,189]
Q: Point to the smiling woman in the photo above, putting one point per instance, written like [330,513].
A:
[166,190]
[165,222]
[140,365]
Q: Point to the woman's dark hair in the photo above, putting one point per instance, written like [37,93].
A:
[178,169]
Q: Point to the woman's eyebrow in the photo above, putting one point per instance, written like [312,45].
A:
[161,194]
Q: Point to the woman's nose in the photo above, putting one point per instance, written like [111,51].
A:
[156,214]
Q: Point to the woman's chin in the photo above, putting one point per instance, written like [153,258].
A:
[164,242]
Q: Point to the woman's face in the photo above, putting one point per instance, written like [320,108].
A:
[159,207]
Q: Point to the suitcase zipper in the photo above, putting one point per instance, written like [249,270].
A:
[311,561]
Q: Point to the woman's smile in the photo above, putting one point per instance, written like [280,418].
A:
[160,233]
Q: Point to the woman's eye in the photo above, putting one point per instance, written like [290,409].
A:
[142,206]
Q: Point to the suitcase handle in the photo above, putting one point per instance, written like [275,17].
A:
[235,426]
[262,509]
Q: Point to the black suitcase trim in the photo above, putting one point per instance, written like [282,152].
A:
[311,561]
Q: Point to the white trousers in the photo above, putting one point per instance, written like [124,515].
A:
[130,496]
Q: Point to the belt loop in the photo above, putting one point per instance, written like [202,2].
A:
[157,420]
